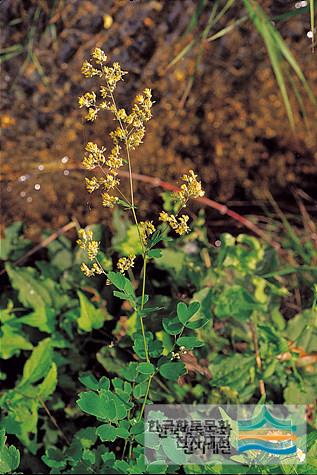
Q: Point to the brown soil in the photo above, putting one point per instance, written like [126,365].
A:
[231,128]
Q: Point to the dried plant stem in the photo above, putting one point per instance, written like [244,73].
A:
[43,243]
[53,420]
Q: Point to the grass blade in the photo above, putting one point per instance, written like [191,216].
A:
[227,29]
[277,50]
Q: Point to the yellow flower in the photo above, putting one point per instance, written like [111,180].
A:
[92,114]
[86,242]
[182,227]
[95,156]
[91,271]
[89,71]
[125,263]
[190,189]
[109,181]
[179,225]
[99,56]
[92,184]
[114,159]
[146,229]
[84,237]
[164,216]
[130,127]
[86,270]
[108,200]
[87,100]
[92,249]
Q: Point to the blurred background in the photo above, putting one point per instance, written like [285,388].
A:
[232,102]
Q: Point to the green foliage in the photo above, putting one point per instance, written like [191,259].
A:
[9,456]
[84,365]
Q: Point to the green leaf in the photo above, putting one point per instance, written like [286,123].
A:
[127,241]
[90,318]
[32,291]
[12,342]
[293,394]
[9,456]
[129,372]
[97,405]
[171,260]
[189,342]
[48,386]
[43,319]
[104,405]
[155,348]
[87,437]
[185,313]
[146,368]
[155,253]
[107,432]
[54,458]
[303,330]
[13,245]
[122,283]
[172,370]
[157,468]
[172,326]
[234,301]
[39,362]
[224,371]
[139,390]
[89,381]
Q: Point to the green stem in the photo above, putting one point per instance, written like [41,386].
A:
[145,397]
[142,306]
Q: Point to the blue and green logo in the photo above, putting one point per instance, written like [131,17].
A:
[267,433]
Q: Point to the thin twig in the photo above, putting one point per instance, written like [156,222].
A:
[53,420]
[43,243]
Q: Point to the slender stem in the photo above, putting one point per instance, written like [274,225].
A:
[257,357]
[124,130]
[135,219]
[53,420]
[126,146]
[146,351]
[145,397]
[142,306]
[130,172]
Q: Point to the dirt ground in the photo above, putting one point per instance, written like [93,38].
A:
[230,125]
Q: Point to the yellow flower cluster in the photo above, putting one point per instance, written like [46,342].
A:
[178,224]
[130,130]
[109,200]
[87,243]
[125,263]
[95,156]
[110,74]
[146,228]
[190,189]
[91,271]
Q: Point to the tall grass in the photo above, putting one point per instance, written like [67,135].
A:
[287,70]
